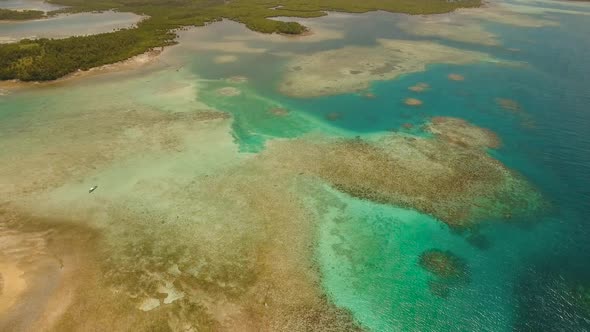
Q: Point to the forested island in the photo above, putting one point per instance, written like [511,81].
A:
[49,59]
[17,15]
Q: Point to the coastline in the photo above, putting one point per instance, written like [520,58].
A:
[150,57]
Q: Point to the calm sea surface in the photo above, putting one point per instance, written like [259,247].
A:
[526,275]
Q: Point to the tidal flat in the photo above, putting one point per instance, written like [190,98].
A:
[228,200]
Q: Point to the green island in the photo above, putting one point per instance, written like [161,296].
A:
[49,59]
[18,15]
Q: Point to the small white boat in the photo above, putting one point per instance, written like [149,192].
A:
[92,189]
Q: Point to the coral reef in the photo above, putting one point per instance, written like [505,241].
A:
[352,68]
[333,116]
[443,264]
[460,184]
[456,77]
[460,132]
[420,87]
[509,104]
[413,102]
[449,271]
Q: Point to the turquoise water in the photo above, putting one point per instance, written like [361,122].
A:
[524,275]
[369,253]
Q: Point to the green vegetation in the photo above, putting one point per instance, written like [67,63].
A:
[7,14]
[48,59]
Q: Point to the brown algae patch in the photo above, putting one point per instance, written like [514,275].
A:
[413,102]
[333,116]
[509,104]
[449,271]
[352,68]
[458,184]
[456,77]
[420,87]
[443,264]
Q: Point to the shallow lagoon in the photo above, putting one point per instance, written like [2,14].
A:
[62,26]
[192,202]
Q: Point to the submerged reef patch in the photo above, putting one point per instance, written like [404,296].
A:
[413,102]
[449,271]
[420,87]
[460,132]
[279,111]
[352,68]
[460,184]
[333,116]
[229,91]
[443,264]
[449,27]
[509,104]
[456,77]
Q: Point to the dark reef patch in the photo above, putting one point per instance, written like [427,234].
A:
[449,271]
[443,264]
[451,177]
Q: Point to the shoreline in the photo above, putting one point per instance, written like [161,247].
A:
[135,62]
